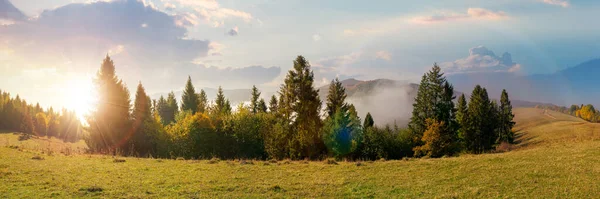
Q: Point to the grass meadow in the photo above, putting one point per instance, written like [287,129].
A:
[556,156]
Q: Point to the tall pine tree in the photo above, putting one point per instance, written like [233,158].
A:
[189,99]
[369,122]
[255,95]
[273,104]
[203,103]
[140,143]
[480,134]
[221,103]
[299,109]
[505,133]
[336,98]
[462,116]
[110,123]
[434,101]
[262,106]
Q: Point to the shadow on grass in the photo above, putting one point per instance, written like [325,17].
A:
[522,141]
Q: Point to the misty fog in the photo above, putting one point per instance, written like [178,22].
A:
[387,105]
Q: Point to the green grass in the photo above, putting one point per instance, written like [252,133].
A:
[557,157]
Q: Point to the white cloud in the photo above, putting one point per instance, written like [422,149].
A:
[334,63]
[186,19]
[481,59]
[561,3]
[215,47]
[160,55]
[316,37]
[210,12]
[210,4]
[385,55]
[472,14]
[169,6]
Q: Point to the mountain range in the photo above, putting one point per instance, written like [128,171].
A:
[575,85]
[391,101]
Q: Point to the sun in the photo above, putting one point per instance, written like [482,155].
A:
[80,97]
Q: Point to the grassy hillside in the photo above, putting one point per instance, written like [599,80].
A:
[557,156]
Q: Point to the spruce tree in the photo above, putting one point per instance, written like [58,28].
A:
[172,104]
[480,134]
[494,121]
[162,110]
[273,104]
[506,119]
[369,122]
[255,95]
[462,116]
[342,131]
[189,99]
[220,106]
[336,98]
[110,123]
[299,109]
[139,144]
[262,106]
[203,103]
[227,108]
[434,101]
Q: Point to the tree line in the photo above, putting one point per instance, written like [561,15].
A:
[18,115]
[585,112]
[294,124]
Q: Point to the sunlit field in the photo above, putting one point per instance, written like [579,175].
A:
[557,156]
[299,99]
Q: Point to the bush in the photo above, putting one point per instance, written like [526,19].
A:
[503,147]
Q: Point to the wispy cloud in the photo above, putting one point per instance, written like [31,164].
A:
[207,11]
[385,55]
[471,14]
[561,3]
[316,37]
[481,59]
[142,33]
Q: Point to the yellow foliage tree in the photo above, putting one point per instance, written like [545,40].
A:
[437,143]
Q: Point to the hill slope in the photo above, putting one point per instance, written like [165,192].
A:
[558,157]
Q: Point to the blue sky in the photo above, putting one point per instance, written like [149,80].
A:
[240,43]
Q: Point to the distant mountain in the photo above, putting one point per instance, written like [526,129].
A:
[390,101]
[575,85]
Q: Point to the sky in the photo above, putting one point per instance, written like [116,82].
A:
[51,49]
